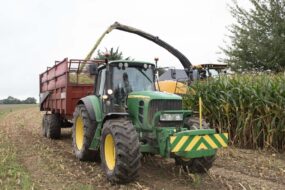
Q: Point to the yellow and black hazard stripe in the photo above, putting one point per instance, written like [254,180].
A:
[196,143]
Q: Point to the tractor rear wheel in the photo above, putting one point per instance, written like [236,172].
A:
[196,165]
[120,151]
[53,123]
[83,131]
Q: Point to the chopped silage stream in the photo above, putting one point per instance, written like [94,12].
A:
[52,165]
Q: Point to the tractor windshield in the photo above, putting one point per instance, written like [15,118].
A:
[132,79]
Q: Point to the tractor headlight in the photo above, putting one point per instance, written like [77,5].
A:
[105,97]
[171,117]
[110,91]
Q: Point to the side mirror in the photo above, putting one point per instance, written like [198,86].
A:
[189,73]
[159,70]
[93,69]
[173,73]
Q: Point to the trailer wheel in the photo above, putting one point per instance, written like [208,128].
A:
[195,165]
[120,151]
[53,129]
[44,125]
[83,131]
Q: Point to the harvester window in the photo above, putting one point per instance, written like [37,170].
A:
[212,73]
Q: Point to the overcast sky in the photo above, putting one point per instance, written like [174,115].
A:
[34,33]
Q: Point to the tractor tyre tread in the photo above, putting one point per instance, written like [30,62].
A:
[85,154]
[196,165]
[44,125]
[53,130]
[128,156]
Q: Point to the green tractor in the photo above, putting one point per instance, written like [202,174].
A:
[128,116]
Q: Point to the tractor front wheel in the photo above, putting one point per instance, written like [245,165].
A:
[120,151]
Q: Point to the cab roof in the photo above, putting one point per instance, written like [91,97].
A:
[130,62]
[211,65]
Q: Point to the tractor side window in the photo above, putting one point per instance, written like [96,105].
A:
[101,82]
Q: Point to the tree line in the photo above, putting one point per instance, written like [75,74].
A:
[257,38]
[12,100]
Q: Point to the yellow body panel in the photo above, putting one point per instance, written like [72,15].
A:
[172,87]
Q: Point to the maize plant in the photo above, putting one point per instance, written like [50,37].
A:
[251,108]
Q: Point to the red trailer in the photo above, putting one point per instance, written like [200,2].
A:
[62,86]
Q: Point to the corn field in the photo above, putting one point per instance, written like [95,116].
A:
[251,108]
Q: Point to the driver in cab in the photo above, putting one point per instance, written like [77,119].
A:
[122,91]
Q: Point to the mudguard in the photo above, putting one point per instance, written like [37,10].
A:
[93,106]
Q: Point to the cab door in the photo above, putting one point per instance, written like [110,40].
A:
[100,88]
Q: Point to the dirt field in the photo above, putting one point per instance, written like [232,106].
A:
[47,164]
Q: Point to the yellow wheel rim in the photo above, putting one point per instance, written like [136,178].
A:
[79,132]
[110,152]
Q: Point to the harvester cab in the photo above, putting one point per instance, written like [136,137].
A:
[178,80]
[209,70]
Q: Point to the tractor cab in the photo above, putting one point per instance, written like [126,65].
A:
[116,79]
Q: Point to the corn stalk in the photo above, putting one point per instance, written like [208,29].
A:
[251,108]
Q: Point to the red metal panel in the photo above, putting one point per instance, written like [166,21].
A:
[61,81]
[74,94]
[63,95]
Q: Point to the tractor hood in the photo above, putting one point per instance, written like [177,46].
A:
[150,95]
[145,106]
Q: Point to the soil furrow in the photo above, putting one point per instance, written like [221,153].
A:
[52,165]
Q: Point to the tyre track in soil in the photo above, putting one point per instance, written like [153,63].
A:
[52,164]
